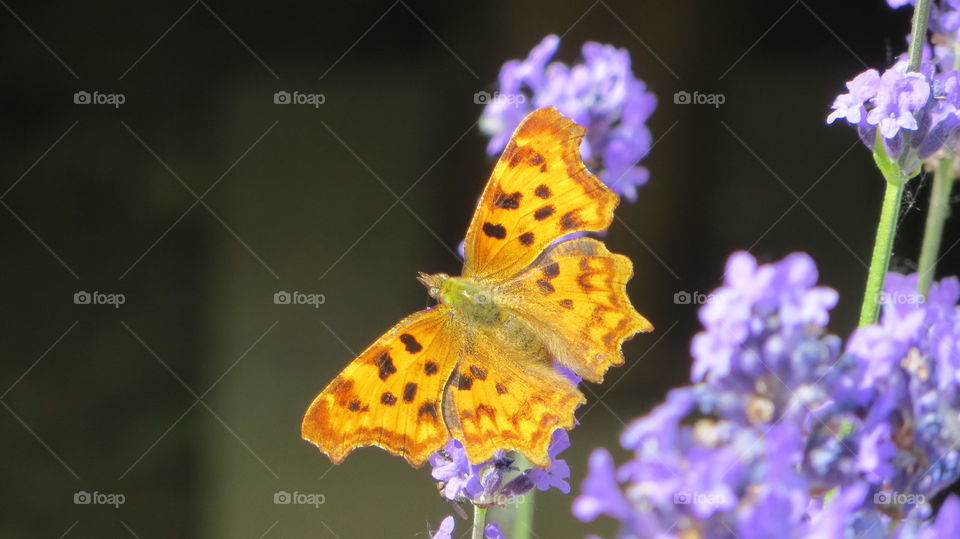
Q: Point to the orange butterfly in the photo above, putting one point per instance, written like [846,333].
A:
[478,365]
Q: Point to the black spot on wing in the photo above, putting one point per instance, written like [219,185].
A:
[478,373]
[494,231]
[430,368]
[545,286]
[507,202]
[385,365]
[526,238]
[543,213]
[411,343]
[388,399]
[542,191]
[428,409]
[409,392]
[570,220]
[551,270]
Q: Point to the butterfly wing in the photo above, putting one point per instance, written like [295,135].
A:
[504,397]
[575,297]
[391,394]
[539,191]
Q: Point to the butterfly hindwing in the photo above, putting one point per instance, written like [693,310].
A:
[575,297]
[391,394]
[502,397]
[539,191]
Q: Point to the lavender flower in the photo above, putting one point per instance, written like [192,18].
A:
[914,114]
[497,481]
[601,94]
[944,16]
[910,365]
[447,526]
[445,531]
[785,433]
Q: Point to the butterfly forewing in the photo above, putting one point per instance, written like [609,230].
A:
[539,191]
[391,394]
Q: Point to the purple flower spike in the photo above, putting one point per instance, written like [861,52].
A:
[601,94]
[492,531]
[851,105]
[497,480]
[445,531]
[600,494]
[786,435]
[557,474]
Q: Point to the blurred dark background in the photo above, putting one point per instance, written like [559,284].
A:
[198,199]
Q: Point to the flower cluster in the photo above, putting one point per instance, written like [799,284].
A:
[497,481]
[447,525]
[914,113]
[787,434]
[601,94]
[944,17]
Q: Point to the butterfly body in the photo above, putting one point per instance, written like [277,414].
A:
[480,365]
[471,299]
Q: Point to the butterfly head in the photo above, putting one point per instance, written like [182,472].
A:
[434,283]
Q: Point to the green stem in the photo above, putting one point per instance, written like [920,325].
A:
[918,34]
[896,178]
[479,521]
[936,216]
[523,517]
[882,247]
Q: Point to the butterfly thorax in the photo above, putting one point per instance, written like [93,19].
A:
[476,302]
[470,298]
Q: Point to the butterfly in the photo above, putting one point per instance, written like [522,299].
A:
[480,365]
